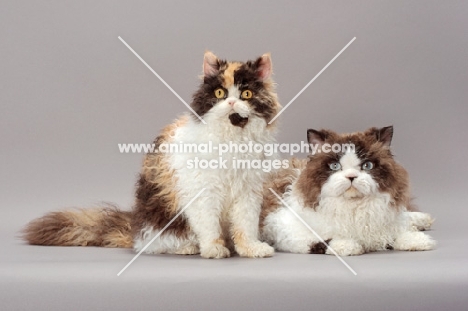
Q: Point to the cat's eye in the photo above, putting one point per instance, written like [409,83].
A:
[219,93]
[367,166]
[246,94]
[335,166]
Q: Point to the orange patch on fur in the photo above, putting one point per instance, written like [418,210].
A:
[239,238]
[157,199]
[243,244]
[219,241]
[157,169]
[228,75]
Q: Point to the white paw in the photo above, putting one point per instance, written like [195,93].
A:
[420,221]
[255,250]
[414,241]
[215,251]
[345,248]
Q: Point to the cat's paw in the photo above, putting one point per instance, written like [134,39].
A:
[188,250]
[345,248]
[319,247]
[414,241]
[420,221]
[255,250]
[215,251]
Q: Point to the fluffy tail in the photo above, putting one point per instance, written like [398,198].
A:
[102,226]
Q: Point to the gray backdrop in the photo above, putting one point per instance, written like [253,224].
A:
[71,91]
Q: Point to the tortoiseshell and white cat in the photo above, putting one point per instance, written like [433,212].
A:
[236,100]
[356,201]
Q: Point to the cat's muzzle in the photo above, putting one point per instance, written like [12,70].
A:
[237,120]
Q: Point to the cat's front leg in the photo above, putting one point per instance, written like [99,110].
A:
[343,247]
[414,241]
[245,217]
[204,219]
[286,232]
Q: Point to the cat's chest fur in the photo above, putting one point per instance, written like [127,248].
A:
[370,219]
[225,172]
[223,135]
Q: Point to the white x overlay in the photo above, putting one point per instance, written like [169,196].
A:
[201,119]
[313,79]
[162,80]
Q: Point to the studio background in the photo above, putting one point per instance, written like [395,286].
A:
[70,91]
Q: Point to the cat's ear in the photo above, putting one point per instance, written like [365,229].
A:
[383,135]
[386,135]
[210,64]
[315,137]
[264,67]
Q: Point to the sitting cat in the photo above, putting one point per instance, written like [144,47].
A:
[236,100]
[356,200]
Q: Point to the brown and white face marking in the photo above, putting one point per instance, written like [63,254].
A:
[369,170]
[234,92]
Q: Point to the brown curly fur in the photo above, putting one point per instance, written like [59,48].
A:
[156,197]
[102,226]
[278,181]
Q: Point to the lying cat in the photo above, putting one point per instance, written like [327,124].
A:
[236,100]
[356,201]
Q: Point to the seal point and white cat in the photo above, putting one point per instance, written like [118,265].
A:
[357,200]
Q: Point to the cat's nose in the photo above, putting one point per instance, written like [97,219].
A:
[351,175]
[231,103]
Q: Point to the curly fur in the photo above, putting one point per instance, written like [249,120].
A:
[101,226]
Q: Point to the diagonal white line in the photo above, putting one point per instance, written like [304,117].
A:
[160,232]
[162,80]
[311,81]
[313,231]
